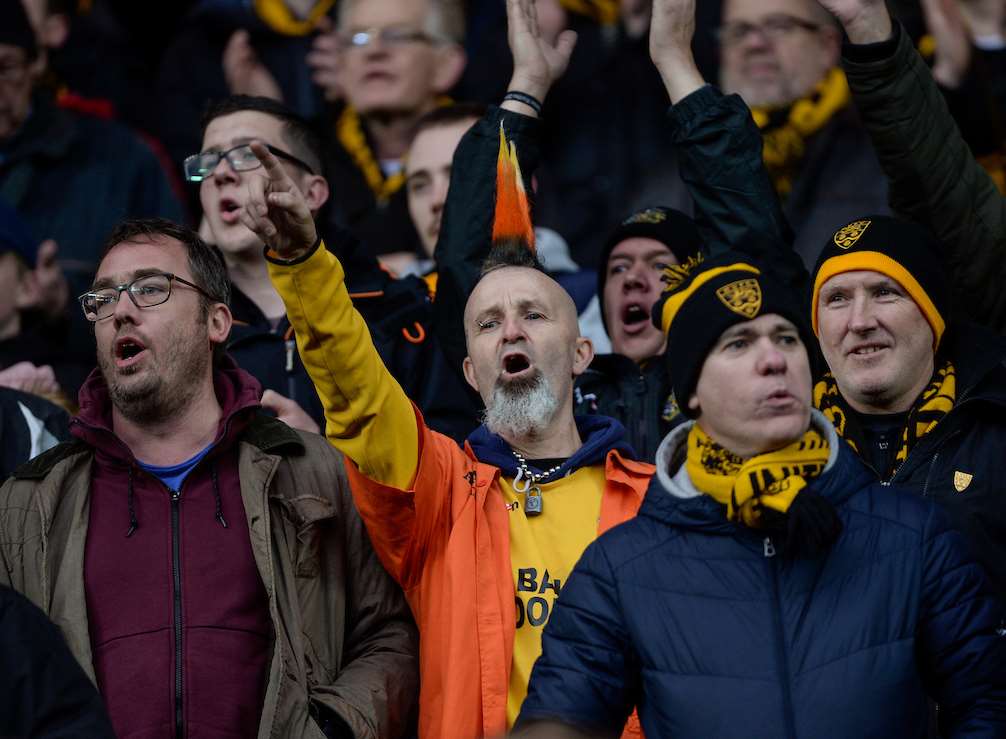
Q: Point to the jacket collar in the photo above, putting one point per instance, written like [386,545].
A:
[673,499]
[48,132]
[600,435]
[237,392]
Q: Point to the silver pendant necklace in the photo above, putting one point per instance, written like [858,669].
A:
[526,482]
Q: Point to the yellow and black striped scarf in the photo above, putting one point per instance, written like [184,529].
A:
[748,486]
[935,402]
[349,133]
[785,131]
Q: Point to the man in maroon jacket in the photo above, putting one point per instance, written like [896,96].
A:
[204,561]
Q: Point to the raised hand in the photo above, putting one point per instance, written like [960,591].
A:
[537,63]
[946,23]
[244,71]
[276,210]
[864,21]
[28,378]
[672,27]
[323,60]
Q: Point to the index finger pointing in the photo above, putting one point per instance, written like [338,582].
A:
[273,169]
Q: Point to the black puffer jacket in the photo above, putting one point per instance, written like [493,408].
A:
[960,461]
[43,691]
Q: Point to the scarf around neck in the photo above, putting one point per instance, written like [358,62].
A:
[785,130]
[932,406]
[748,486]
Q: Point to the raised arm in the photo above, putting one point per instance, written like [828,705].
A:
[934,178]
[368,416]
[466,231]
[719,151]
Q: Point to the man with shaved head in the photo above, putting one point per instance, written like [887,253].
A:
[481,539]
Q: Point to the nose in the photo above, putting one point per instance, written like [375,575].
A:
[637,277]
[513,331]
[861,317]
[125,311]
[440,187]
[771,360]
[224,172]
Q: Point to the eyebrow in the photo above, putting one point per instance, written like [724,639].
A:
[240,141]
[104,282]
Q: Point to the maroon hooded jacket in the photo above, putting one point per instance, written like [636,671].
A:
[178,614]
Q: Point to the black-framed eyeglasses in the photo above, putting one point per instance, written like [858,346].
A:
[773,27]
[387,36]
[241,158]
[145,292]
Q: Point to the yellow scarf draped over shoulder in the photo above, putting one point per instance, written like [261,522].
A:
[748,486]
[785,132]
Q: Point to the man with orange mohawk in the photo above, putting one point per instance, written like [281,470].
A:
[469,534]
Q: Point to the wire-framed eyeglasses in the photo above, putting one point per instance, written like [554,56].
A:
[241,158]
[145,292]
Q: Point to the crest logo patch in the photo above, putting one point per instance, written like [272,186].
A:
[847,236]
[650,215]
[962,480]
[743,297]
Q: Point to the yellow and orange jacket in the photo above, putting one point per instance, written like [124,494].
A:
[435,514]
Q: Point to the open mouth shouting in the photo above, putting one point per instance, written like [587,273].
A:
[635,318]
[230,211]
[128,352]
[516,366]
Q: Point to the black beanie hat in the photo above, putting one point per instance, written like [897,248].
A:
[904,251]
[670,227]
[15,29]
[705,298]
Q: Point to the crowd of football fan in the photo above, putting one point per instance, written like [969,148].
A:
[474,368]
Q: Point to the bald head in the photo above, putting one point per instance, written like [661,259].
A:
[522,312]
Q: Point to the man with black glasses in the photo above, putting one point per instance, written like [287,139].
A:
[205,562]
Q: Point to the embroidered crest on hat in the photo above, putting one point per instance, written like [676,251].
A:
[962,480]
[742,297]
[650,215]
[847,236]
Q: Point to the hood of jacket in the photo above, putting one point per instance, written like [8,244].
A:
[237,392]
[600,436]
[674,500]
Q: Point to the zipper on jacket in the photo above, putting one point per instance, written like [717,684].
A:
[782,655]
[176,567]
[641,414]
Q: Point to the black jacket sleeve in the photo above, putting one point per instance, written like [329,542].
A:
[44,693]
[467,225]
[934,178]
[719,151]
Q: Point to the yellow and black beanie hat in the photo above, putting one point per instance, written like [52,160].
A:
[705,297]
[904,251]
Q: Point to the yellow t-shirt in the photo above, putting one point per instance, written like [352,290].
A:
[543,550]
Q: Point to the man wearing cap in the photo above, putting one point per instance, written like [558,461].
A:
[917,391]
[770,586]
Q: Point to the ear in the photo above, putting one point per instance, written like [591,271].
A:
[451,60]
[693,403]
[469,371]
[584,355]
[218,323]
[316,192]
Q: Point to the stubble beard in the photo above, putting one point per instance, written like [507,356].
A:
[168,387]
[522,408]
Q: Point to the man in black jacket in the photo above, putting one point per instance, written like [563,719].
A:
[43,691]
[920,393]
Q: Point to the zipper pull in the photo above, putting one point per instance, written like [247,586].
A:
[291,347]
[769,547]
[175,495]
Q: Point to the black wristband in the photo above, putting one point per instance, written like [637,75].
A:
[522,97]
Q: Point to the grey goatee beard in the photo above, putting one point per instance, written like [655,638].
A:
[521,408]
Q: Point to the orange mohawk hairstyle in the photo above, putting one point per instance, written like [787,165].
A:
[512,221]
